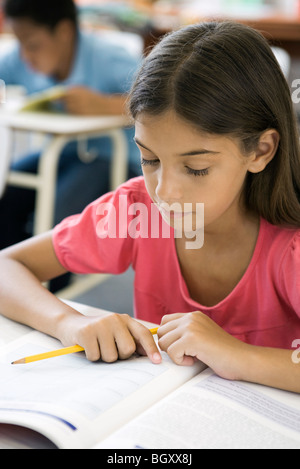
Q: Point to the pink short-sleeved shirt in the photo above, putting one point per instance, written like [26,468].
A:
[113,233]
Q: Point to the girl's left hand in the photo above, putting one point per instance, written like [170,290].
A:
[188,337]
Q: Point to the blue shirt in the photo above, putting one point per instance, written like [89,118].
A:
[99,64]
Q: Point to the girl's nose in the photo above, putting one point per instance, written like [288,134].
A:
[168,187]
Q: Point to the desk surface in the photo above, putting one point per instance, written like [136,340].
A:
[60,124]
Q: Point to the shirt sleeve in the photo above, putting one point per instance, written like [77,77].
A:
[15,71]
[123,70]
[291,273]
[114,67]
[10,66]
[93,242]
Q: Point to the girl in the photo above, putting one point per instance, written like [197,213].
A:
[215,126]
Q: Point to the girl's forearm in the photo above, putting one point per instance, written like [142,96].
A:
[25,300]
[271,367]
[187,335]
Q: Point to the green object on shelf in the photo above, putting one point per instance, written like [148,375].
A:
[121,15]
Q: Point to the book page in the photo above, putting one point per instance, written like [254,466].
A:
[76,403]
[10,330]
[212,413]
[16,437]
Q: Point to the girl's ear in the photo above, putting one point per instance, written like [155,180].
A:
[265,151]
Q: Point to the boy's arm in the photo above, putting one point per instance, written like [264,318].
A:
[11,67]
[23,298]
[85,102]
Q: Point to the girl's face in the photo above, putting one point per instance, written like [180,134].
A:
[183,166]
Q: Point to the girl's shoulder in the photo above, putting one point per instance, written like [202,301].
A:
[286,237]
[282,246]
[286,264]
[135,190]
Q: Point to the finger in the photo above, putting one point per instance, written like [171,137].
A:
[125,344]
[178,354]
[145,341]
[168,337]
[92,351]
[73,110]
[115,339]
[108,348]
[72,92]
[169,326]
[171,317]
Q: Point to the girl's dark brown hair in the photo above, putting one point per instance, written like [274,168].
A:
[224,79]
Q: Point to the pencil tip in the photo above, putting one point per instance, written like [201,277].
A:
[18,362]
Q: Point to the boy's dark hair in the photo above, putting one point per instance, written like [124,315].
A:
[42,12]
[223,78]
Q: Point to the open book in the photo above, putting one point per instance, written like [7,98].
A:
[136,404]
[44,101]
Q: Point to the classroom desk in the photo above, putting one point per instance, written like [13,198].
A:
[62,129]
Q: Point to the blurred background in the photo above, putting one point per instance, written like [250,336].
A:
[278,20]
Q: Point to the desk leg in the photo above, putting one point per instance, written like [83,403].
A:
[47,175]
[119,163]
[6,152]
[46,184]
[118,175]
[119,159]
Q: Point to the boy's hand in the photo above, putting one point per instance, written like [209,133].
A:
[83,101]
[109,338]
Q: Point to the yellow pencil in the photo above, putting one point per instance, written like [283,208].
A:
[58,353]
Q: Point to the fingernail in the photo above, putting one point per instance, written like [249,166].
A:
[156,358]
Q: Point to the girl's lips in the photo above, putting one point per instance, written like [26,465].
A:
[172,214]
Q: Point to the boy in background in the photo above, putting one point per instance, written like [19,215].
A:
[51,50]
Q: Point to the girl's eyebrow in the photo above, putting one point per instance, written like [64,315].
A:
[199,152]
[189,153]
[140,144]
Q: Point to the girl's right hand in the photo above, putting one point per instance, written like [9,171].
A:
[109,338]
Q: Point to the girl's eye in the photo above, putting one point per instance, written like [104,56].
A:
[148,162]
[194,172]
[197,172]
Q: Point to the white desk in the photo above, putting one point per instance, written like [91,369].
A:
[62,129]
